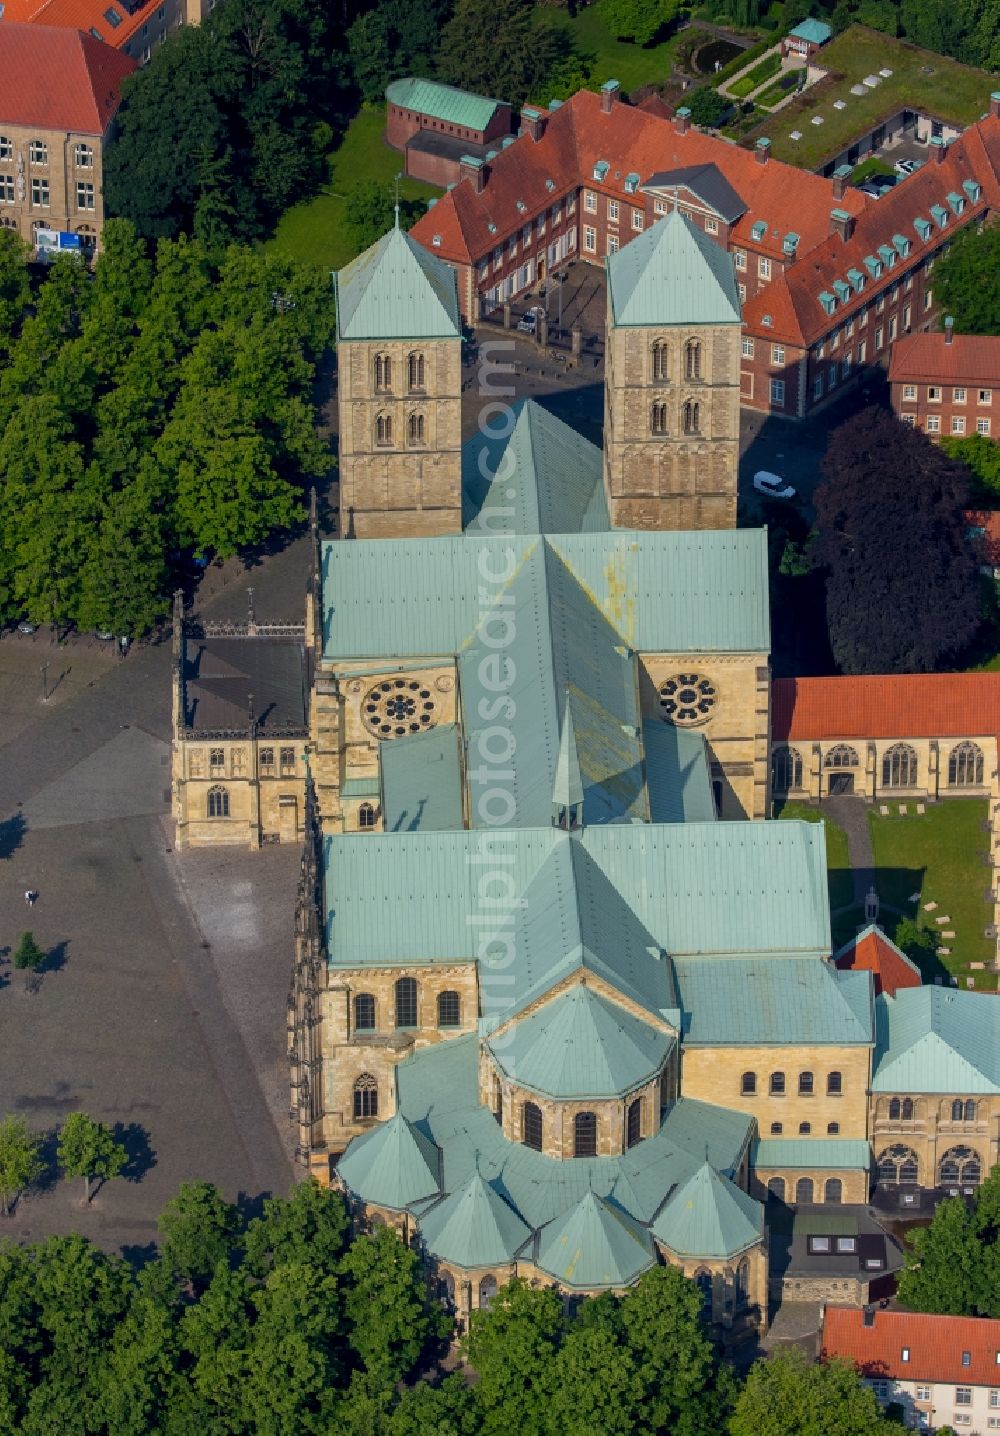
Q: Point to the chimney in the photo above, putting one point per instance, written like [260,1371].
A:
[949,329]
[995,103]
[938,149]
[475,170]
[532,122]
[762,150]
[841,223]
[840,177]
[868,1315]
[682,119]
[610,95]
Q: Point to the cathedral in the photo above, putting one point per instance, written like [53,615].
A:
[564,1001]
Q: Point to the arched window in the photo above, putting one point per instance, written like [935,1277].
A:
[960,1167]
[658,419]
[898,1166]
[531,1126]
[776,1188]
[742,1283]
[965,766]
[703,1281]
[218,802]
[383,431]
[899,766]
[970,1110]
[498,1101]
[449,1009]
[748,1084]
[777,1084]
[661,362]
[383,373]
[804,1190]
[692,417]
[832,1129]
[365,1097]
[907,1109]
[786,769]
[834,1084]
[776,1129]
[633,1123]
[366,816]
[805,1128]
[841,755]
[895,1108]
[415,373]
[692,359]
[957,1109]
[446,1290]
[487,1292]
[833,1192]
[585,1134]
[364,1012]
[406,1002]
[415,429]
[805,1084]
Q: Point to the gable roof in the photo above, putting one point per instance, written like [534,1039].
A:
[220,675]
[593,1245]
[672,273]
[821,1153]
[777,1002]
[893,705]
[393,1164]
[707,182]
[935,1039]
[871,951]
[709,1216]
[442,102]
[396,289]
[59,79]
[928,358]
[474,1226]
[114,22]
[874,1340]
[817,32]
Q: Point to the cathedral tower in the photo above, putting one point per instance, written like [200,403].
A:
[399,343]
[672,381]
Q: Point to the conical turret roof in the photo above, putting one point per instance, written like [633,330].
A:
[393,1165]
[709,1216]
[594,1245]
[397,290]
[474,1226]
[672,274]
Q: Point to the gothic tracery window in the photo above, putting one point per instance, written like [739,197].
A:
[786,769]
[397,706]
[965,766]
[688,698]
[365,1097]
[899,766]
[218,802]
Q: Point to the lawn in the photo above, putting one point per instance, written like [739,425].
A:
[839,879]
[920,80]
[767,67]
[939,852]
[631,65]
[871,168]
[315,230]
[780,90]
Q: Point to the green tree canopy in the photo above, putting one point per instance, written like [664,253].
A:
[495,47]
[637,20]
[953,1266]
[28,955]
[197,1228]
[787,1395]
[88,1149]
[20,1160]
[967,281]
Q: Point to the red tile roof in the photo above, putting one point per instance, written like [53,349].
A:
[578,134]
[897,705]
[58,79]
[927,359]
[936,1345]
[871,951]
[792,300]
[86,15]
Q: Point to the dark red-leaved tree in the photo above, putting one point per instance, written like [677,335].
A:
[903,592]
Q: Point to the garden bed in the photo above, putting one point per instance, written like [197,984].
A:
[770,65]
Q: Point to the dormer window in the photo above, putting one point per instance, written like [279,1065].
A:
[767,321]
[601,170]
[873,266]
[521,207]
[436,241]
[759,230]
[828,302]
[790,243]
[631,183]
[887,255]
[857,279]
[843,291]
[972,189]
[923,228]
[902,245]
[940,215]
[955,202]
[550,185]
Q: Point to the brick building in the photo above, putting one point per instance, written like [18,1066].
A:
[945,383]
[436,126]
[135,27]
[59,94]
[828,276]
[806,39]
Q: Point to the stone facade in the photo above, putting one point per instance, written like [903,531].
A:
[671,426]
[400,437]
[934,1140]
[51,180]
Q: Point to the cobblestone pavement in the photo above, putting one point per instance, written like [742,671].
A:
[68,670]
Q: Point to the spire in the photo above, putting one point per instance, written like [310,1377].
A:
[396,206]
[567,789]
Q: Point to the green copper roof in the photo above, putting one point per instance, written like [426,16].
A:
[677,775]
[567,790]
[594,1245]
[932,1039]
[474,1226]
[540,476]
[582,1045]
[773,1002]
[442,102]
[397,290]
[422,781]
[805,1152]
[393,1165]
[816,31]
[708,1216]
[671,274]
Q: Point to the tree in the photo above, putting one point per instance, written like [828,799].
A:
[28,956]
[982,456]
[593,1387]
[15,291]
[967,281]
[396,37]
[707,106]
[20,1160]
[638,20]
[512,1347]
[197,1228]
[952,1266]
[787,1395]
[369,208]
[310,1225]
[675,1369]
[495,47]
[902,584]
[88,1149]
[387,1305]
[445,1410]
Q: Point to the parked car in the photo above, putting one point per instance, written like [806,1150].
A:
[26,628]
[772,485]
[528,322]
[908,167]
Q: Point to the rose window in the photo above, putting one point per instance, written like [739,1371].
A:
[688,698]
[397,707]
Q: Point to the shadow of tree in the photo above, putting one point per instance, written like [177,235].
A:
[250,1206]
[141,1158]
[55,959]
[12,831]
[139,1255]
[48,1149]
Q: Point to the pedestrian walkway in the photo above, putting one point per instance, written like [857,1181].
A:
[851,814]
